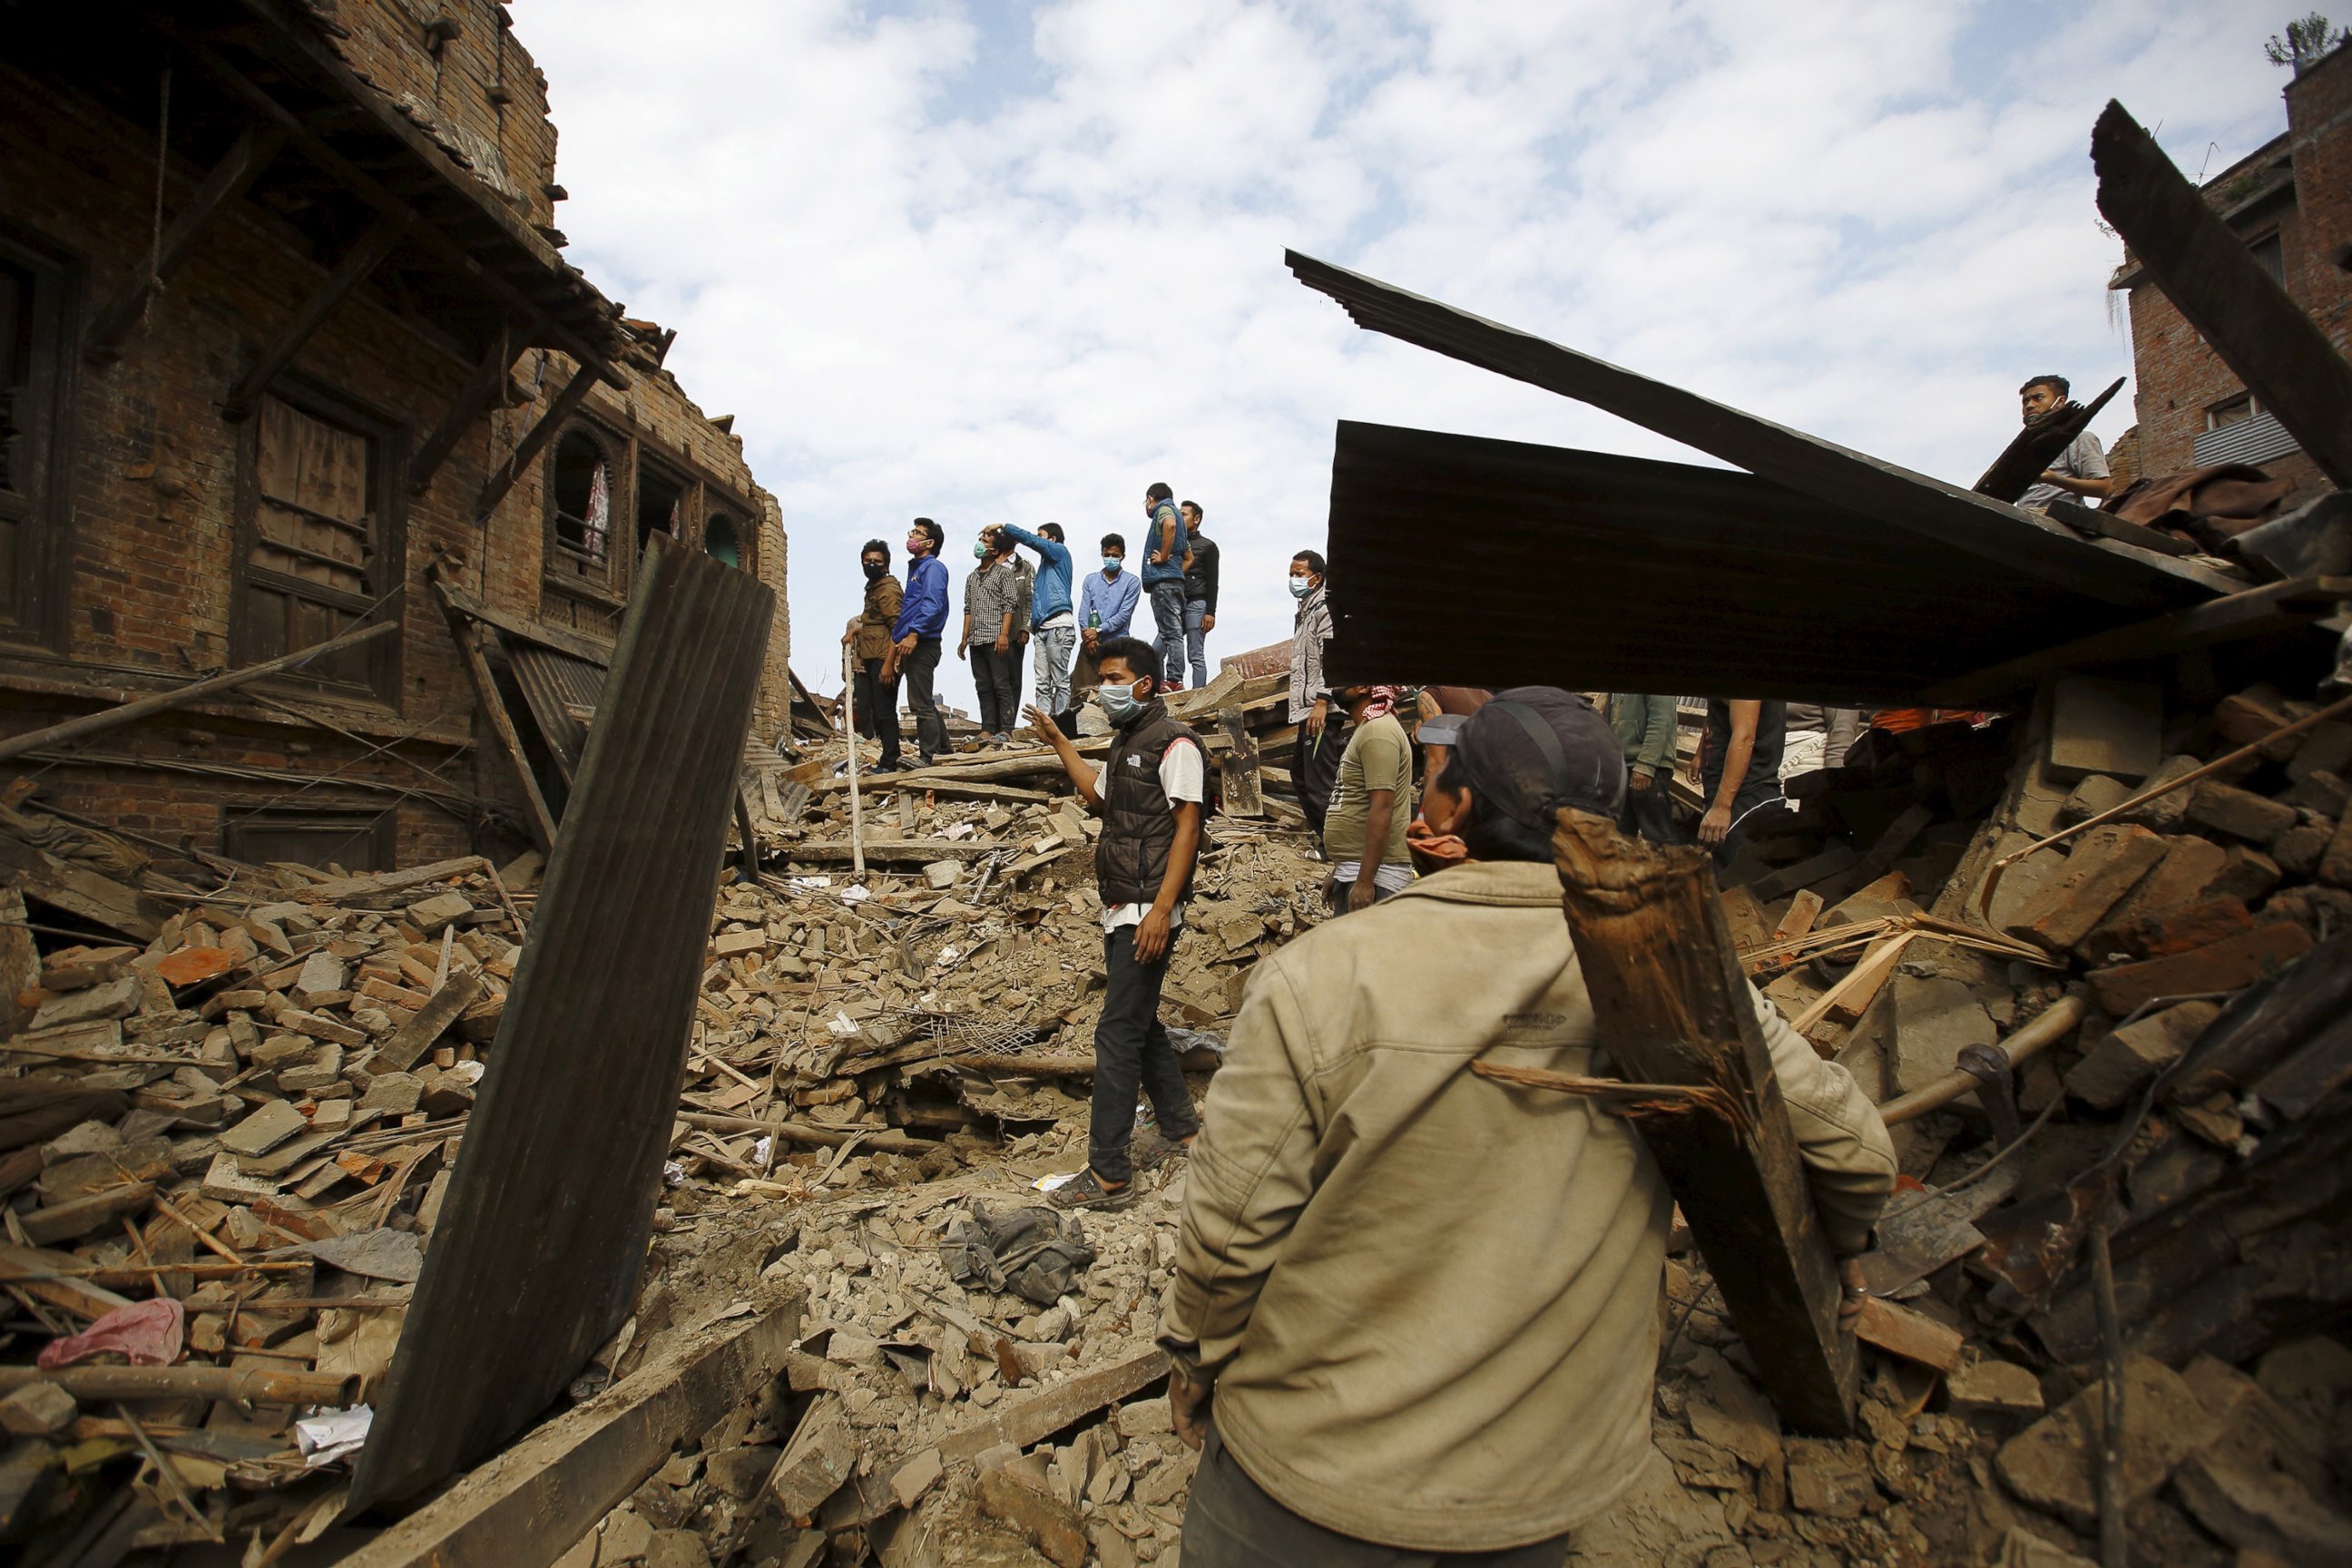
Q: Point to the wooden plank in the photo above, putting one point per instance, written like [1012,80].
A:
[1237,771]
[2280,354]
[1914,1336]
[528,1506]
[345,889]
[223,184]
[2032,452]
[542,1233]
[891,851]
[469,605]
[180,696]
[559,408]
[1803,910]
[496,364]
[1034,1418]
[74,888]
[541,820]
[417,1036]
[1672,1008]
[190,1381]
[1822,470]
[2257,612]
[362,260]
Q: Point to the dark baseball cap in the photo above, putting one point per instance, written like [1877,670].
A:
[1532,751]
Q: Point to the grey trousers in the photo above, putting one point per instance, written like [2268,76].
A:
[1231,1522]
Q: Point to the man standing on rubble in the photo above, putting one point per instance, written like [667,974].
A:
[1395,1352]
[1055,627]
[1200,592]
[1372,804]
[1645,730]
[1148,791]
[1106,610]
[1164,558]
[922,622]
[2080,470]
[1314,756]
[995,597]
[874,694]
[1738,769]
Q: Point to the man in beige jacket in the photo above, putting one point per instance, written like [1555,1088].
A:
[1415,1314]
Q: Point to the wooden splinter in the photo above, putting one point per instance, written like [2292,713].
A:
[1672,1010]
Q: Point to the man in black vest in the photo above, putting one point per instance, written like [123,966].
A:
[1148,791]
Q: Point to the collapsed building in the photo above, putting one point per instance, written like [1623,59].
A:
[483,1212]
[291,355]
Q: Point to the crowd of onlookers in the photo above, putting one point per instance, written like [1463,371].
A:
[1018,610]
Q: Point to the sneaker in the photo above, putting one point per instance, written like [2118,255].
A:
[1084,1192]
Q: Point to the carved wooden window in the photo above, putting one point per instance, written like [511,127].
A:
[723,539]
[319,550]
[580,489]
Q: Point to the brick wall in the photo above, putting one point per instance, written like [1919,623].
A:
[2177,376]
[156,523]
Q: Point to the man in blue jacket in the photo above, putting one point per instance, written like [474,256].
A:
[1055,626]
[1165,556]
[915,635]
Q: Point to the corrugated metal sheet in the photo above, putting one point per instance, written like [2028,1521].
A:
[561,692]
[1465,561]
[2247,441]
[541,1241]
[1921,508]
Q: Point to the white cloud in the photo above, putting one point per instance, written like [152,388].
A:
[988,263]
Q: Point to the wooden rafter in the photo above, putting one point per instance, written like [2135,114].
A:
[222,185]
[496,364]
[349,274]
[566,403]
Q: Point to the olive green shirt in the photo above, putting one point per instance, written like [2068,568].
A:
[1378,757]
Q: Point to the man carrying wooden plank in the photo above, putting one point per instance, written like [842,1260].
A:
[1415,1309]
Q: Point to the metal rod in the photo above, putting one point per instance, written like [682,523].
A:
[2115,1533]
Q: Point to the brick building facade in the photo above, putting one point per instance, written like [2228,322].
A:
[286,335]
[2291,201]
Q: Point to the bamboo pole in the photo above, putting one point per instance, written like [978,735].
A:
[849,733]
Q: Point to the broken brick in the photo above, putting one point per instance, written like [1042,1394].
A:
[2240,813]
[2114,1071]
[2104,866]
[2223,967]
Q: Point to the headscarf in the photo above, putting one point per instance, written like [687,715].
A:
[1382,699]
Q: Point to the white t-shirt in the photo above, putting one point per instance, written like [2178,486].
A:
[1182,774]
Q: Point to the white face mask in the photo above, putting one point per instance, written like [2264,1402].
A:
[1300,587]
[1120,703]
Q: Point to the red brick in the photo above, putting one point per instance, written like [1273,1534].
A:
[2223,967]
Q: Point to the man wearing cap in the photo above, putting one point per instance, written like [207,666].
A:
[1396,1350]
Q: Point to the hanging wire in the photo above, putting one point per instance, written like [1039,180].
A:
[162,159]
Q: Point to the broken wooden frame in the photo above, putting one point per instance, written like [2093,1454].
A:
[1672,1010]
[535,1258]
[362,260]
[531,1503]
[226,181]
[2031,453]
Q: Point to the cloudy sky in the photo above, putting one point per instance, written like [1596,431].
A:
[1012,262]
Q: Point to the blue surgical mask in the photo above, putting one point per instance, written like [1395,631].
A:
[979,550]
[1120,705]
[1111,563]
[1299,587]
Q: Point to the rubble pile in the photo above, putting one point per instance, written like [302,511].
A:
[2138,1031]
[222,1150]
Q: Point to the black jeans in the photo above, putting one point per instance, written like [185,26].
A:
[1315,769]
[996,679]
[1233,1522]
[1132,1050]
[1751,809]
[1342,891]
[918,671]
[877,709]
[1650,812]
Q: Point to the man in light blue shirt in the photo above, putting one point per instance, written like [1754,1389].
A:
[1050,615]
[1107,604]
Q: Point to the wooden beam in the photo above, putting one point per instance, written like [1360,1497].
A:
[2206,271]
[496,365]
[369,189]
[471,606]
[494,709]
[2036,446]
[362,260]
[1237,771]
[226,181]
[541,1245]
[565,404]
[1673,1009]
[528,1506]
[162,702]
[2257,612]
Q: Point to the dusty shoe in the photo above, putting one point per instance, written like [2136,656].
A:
[1083,1191]
[1151,1149]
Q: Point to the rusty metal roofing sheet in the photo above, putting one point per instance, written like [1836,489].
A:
[562,692]
[1461,559]
[1923,508]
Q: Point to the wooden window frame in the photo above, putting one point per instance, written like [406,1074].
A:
[378,827]
[387,439]
[37,614]
[600,587]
